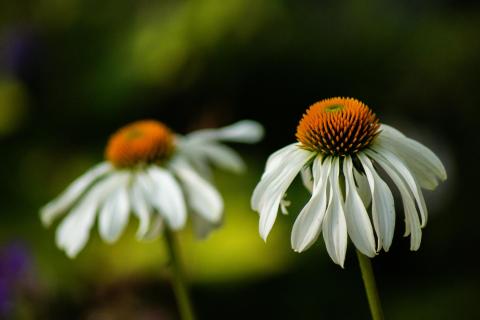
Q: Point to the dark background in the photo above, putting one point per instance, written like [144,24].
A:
[72,72]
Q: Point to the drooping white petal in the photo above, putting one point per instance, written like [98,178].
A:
[114,214]
[201,226]
[273,185]
[201,154]
[426,166]
[166,196]
[383,208]
[155,228]
[73,232]
[405,173]
[223,157]
[201,195]
[284,204]
[246,131]
[275,165]
[278,157]
[334,226]
[307,178]
[140,207]
[307,226]
[63,202]
[363,188]
[411,214]
[358,223]
[199,163]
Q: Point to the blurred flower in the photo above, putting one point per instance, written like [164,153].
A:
[19,44]
[154,174]
[337,140]
[15,265]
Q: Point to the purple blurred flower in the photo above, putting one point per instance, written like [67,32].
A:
[15,266]
[19,46]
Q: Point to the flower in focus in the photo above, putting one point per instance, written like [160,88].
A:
[154,174]
[341,145]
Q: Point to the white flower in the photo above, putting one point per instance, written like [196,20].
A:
[340,146]
[151,173]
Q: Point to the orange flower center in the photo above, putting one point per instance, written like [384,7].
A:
[140,142]
[337,126]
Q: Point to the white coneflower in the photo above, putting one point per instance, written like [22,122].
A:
[340,146]
[151,173]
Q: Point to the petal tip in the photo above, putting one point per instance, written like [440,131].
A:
[263,234]
[46,221]
[298,250]
[257,131]
[71,253]
[177,225]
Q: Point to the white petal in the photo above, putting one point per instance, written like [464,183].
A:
[278,157]
[411,215]
[273,185]
[334,226]
[307,226]
[140,207]
[425,165]
[223,157]
[201,195]
[275,164]
[358,223]
[246,131]
[201,153]
[383,208]
[73,232]
[362,187]
[405,173]
[201,226]
[167,197]
[284,204]
[199,163]
[63,202]
[307,178]
[155,229]
[114,214]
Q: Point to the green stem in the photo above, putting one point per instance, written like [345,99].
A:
[179,282]
[370,286]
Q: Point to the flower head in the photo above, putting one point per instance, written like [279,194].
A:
[156,175]
[141,142]
[337,127]
[341,144]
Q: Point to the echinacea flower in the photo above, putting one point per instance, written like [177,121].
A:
[151,173]
[341,145]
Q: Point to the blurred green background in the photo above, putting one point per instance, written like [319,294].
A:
[72,72]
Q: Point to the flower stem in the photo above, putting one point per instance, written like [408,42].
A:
[370,286]
[179,282]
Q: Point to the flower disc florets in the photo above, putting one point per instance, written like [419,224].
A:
[141,142]
[337,126]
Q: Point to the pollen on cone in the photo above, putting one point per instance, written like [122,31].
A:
[337,126]
[140,142]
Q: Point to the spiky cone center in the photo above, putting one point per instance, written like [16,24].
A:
[141,142]
[337,126]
